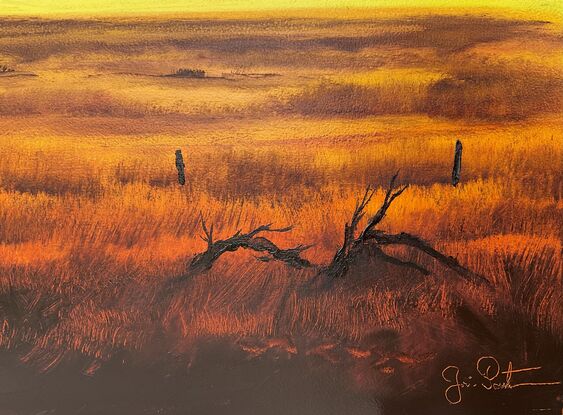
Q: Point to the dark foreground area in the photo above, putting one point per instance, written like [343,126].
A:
[224,380]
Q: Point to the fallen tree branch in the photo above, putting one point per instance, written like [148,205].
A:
[382,238]
[371,240]
[204,260]
[369,243]
[352,246]
[396,261]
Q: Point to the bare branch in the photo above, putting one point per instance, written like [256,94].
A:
[266,228]
[390,196]
[205,260]
[403,238]
[351,245]
[208,232]
[396,261]
[371,240]
[339,264]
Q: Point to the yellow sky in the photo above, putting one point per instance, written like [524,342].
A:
[95,7]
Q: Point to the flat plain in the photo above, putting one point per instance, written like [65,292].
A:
[293,119]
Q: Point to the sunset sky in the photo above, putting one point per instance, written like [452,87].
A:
[89,7]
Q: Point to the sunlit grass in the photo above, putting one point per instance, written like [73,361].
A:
[93,222]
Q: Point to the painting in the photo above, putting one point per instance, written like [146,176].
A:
[332,207]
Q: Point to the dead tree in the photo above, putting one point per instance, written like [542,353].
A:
[371,240]
[204,260]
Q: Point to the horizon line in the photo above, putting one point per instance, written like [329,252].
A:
[303,12]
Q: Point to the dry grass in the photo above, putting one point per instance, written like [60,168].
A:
[93,223]
[472,88]
[101,241]
[494,90]
[71,102]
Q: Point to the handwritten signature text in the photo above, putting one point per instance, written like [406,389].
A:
[490,378]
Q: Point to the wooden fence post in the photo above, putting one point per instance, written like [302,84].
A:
[181,167]
[456,173]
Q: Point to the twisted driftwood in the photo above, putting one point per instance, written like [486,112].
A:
[371,241]
[204,260]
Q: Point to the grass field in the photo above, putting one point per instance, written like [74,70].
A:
[294,119]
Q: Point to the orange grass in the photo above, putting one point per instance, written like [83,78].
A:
[93,223]
[103,253]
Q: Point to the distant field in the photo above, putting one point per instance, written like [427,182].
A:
[293,120]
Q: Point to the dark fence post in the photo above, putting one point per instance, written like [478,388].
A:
[456,173]
[180,166]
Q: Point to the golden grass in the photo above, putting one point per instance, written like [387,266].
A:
[110,233]
[472,88]
[93,222]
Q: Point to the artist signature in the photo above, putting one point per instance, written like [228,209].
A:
[491,378]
